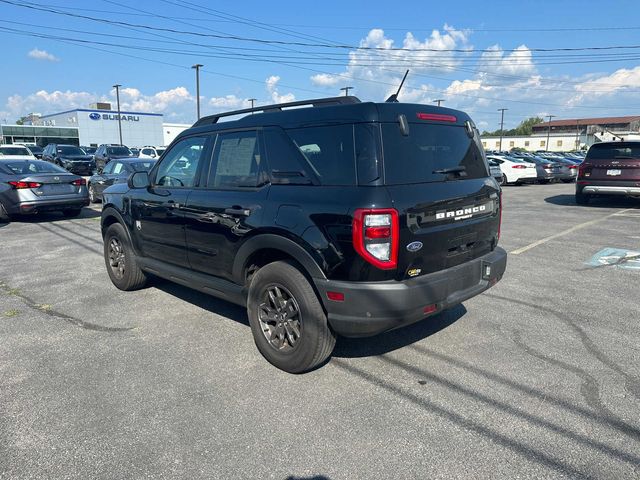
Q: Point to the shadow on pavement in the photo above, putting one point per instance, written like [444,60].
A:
[595,202]
[395,339]
[47,217]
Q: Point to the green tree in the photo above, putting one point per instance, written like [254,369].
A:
[524,128]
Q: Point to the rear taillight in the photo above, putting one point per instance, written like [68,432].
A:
[518,166]
[376,234]
[20,185]
[584,170]
[79,182]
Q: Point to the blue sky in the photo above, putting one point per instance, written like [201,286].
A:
[477,56]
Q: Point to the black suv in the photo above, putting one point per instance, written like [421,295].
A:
[70,157]
[342,218]
[107,152]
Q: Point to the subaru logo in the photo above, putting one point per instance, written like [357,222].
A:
[94,116]
[414,246]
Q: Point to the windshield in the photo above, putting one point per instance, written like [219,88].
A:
[70,150]
[35,149]
[24,167]
[160,151]
[119,151]
[428,151]
[608,151]
[142,166]
[15,151]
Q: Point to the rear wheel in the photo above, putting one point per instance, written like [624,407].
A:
[93,198]
[568,180]
[288,323]
[4,216]
[120,260]
[71,212]
[503,180]
[582,199]
[543,181]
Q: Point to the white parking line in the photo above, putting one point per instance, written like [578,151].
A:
[567,231]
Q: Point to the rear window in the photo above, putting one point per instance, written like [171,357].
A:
[329,152]
[142,166]
[15,151]
[26,167]
[119,151]
[416,157]
[610,151]
[65,150]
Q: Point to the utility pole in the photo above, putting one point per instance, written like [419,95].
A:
[346,90]
[577,146]
[549,130]
[197,67]
[117,87]
[501,110]
[439,101]
[251,100]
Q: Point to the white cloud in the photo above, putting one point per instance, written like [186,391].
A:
[42,55]
[272,89]
[519,62]
[228,102]
[325,79]
[619,82]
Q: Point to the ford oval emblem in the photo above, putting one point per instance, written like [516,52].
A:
[414,246]
[94,116]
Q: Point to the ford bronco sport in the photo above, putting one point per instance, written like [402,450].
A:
[341,218]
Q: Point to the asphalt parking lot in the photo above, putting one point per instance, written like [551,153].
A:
[537,378]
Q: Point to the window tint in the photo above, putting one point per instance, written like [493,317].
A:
[26,166]
[180,165]
[416,157]
[236,161]
[286,163]
[67,150]
[329,152]
[119,151]
[620,151]
[368,157]
[14,151]
[141,166]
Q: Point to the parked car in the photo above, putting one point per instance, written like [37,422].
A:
[515,170]
[135,151]
[495,171]
[339,218]
[107,152]
[35,150]
[610,168]
[572,169]
[33,186]
[116,171]
[16,152]
[151,152]
[69,157]
[89,150]
[547,170]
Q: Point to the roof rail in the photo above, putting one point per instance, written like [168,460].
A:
[344,100]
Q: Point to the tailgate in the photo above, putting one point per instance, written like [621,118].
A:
[445,224]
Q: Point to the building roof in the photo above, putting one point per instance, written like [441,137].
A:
[589,121]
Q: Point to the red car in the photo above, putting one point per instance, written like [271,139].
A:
[610,168]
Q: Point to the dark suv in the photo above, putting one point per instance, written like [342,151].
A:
[107,152]
[342,218]
[610,168]
[70,157]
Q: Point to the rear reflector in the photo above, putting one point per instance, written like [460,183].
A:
[335,296]
[430,309]
[518,166]
[20,185]
[436,117]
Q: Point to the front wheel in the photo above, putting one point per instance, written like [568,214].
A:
[4,216]
[120,260]
[582,199]
[288,323]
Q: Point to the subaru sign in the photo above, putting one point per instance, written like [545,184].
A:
[94,116]
[111,116]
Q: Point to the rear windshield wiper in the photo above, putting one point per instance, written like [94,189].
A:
[459,170]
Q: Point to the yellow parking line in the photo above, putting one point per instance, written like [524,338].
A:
[567,231]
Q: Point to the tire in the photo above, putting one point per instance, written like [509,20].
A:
[503,181]
[4,216]
[582,199]
[71,212]
[568,180]
[93,198]
[120,260]
[295,343]
[543,181]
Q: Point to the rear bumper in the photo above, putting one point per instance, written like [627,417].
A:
[608,188]
[25,208]
[372,308]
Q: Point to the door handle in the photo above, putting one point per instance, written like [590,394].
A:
[244,212]
[173,204]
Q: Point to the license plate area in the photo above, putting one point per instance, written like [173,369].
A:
[614,172]
[56,189]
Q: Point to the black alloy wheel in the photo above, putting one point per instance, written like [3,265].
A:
[120,260]
[280,317]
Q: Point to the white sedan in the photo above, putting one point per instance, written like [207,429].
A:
[515,170]
[16,152]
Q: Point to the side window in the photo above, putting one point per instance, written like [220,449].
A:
[286,164]
[147,151]
[108,169]
[236,162]
[180,165]
[329,152]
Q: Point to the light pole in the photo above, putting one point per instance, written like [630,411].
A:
[251,100]
[197,67]
[577,135]
[549,130]
[346,90]
[501,110]
[117,87]
[439,101]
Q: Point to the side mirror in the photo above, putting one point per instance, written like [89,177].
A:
[138,180]
[100,171]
